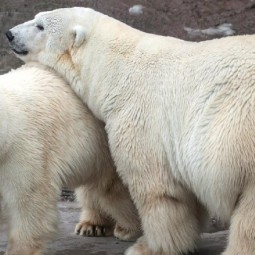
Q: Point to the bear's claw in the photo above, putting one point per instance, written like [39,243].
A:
[92,230]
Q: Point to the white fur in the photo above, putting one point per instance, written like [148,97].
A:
[80,35]
[179,116]
[49,139]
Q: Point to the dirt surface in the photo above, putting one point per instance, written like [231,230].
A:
[186,19]
[67,243]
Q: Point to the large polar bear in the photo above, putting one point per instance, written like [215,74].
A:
[180,118]
[49,139]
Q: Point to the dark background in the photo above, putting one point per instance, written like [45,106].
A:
[165,17]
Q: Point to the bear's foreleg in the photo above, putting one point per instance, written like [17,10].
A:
[116,202]
[105,206]
[93,221]
[242,227]
[170,226]
[168,211]
[31,210]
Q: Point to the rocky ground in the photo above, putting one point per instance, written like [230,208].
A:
[67,243]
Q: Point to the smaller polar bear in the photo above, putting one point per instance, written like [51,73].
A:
[49,139]
[180,119]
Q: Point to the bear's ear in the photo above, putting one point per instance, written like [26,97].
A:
[79,35]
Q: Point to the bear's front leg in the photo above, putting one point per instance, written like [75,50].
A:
[93,221]
[31,215]
[242,227]
[168,211]
[104,206]
[115,201]
[169,223]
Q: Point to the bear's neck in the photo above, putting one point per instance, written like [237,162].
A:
[103,72]
[103,61]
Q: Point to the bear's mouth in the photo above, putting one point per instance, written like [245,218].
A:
[20,52]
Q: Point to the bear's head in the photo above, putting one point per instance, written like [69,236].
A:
[51,34]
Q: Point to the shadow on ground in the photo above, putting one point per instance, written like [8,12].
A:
[67,243]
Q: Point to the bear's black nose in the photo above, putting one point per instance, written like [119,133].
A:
[9,35]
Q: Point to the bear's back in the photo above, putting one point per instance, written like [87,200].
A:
[40,113]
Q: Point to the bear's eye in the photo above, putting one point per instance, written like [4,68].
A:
[40,27]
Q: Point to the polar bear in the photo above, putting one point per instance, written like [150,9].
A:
[49,139]
[179,117]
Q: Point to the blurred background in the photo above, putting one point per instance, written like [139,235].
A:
[193,20]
